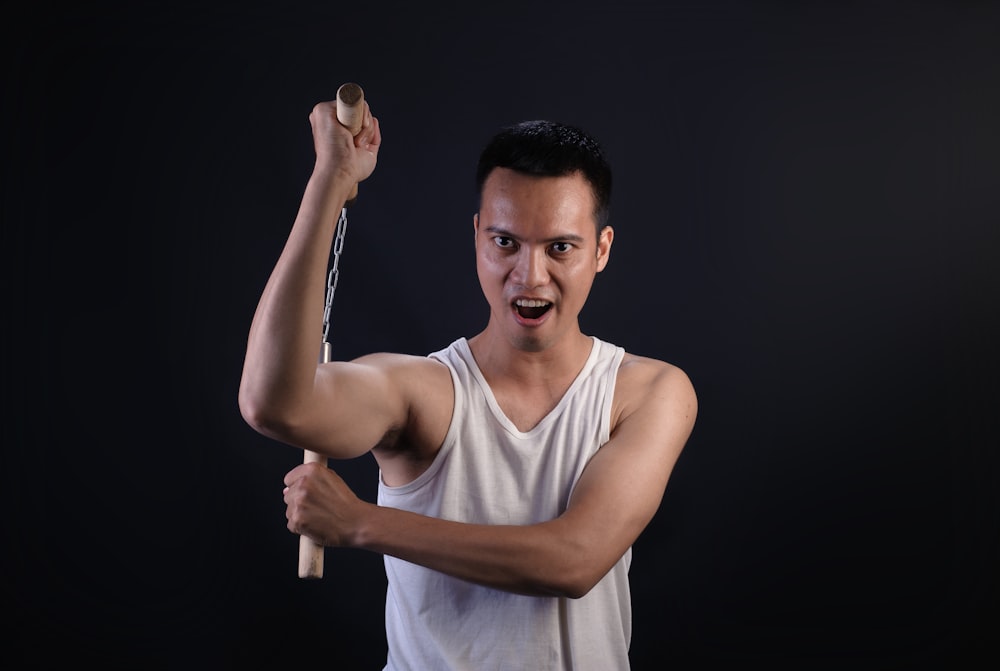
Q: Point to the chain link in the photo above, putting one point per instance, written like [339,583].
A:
[334,274]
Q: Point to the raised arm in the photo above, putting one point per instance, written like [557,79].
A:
[284,392]
[614,500]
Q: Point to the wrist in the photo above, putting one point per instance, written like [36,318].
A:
[332,179]
[365,529]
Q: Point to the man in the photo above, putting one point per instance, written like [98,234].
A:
[518,466]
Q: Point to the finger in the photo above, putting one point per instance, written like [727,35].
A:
[364,136]
[370,138]
[322,110]
[294,475]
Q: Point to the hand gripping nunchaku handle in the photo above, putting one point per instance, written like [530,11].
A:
[350,114]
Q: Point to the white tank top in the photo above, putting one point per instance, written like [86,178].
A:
[489,472]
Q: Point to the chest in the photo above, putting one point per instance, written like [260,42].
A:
[526,408]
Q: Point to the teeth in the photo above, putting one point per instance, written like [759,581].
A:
[530,303]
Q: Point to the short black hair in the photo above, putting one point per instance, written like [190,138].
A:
[550,149]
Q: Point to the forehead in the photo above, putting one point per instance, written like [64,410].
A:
[515,201]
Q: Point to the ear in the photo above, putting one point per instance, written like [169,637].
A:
[604,240]
[475,229]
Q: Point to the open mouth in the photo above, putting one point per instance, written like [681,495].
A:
[531,309]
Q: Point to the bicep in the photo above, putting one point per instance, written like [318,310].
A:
[623,485]
[353,406]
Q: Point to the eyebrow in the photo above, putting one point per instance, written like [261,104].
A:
[568,237]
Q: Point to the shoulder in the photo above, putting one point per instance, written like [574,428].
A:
[647,385]
[644,375]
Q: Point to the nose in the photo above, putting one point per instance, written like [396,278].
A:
[531,268]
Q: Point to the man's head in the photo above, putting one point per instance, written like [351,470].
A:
[550,149]
[543,192]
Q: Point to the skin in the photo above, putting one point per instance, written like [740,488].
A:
[534,239]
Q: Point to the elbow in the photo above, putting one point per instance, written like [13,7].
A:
[253,413]
[569,564]
[574,579]
[250,405]
[568,589]
[262,416]
[577,588]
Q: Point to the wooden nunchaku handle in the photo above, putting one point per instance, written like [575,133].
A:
[350,114]
[310,552]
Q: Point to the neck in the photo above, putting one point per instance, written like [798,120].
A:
[499,359]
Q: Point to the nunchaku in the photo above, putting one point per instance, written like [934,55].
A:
[350,114]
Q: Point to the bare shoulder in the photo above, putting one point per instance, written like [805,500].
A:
[652,386]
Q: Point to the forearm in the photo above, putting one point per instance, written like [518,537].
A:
[538,560]
[284,339]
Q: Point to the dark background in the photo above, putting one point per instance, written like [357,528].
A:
[806,209]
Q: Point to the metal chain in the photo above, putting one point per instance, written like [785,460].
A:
[331,278]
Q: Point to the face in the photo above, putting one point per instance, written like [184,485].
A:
[537,253]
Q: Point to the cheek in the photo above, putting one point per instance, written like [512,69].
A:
[491,263]
[578,270]
[579,277]
[490,274]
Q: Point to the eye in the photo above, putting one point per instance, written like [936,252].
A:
[561,247]
[503,242]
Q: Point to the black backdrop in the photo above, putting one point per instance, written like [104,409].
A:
[806,213]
